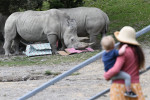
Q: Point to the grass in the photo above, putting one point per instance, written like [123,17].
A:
[135,13]
[52,73]
[74,74]
[45,60]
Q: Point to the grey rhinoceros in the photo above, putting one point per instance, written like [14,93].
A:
[90,21]
[41,26]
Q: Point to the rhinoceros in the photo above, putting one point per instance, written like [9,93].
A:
[90,21]
[41,26]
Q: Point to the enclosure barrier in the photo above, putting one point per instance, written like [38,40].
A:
[74,69]
[107,90]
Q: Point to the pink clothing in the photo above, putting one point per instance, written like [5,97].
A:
[128,63]
[73,50]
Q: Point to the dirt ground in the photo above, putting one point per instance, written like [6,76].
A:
[82,85]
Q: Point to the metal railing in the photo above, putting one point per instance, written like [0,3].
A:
[74,69]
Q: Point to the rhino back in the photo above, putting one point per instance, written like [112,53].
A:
[36,25]
[30,26]
[79,16]
[87,18]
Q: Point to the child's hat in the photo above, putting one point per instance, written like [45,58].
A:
[127,35]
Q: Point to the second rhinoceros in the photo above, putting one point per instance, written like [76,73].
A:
[40,26]
[90,21]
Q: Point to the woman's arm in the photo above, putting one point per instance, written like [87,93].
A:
[116,68]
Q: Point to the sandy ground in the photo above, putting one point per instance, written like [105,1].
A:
[84,84]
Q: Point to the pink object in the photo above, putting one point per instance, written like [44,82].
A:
[90,49]
[73,50]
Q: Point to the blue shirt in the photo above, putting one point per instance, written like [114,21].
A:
[109,58]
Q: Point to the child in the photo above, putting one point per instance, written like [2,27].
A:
[109,58]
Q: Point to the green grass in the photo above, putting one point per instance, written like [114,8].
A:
[135,13]
[74,74]
[46,60]
[52,73]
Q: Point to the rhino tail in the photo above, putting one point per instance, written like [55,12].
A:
[106,22]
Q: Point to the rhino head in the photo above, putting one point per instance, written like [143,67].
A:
[71,40]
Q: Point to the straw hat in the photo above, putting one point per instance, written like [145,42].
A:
[127,35]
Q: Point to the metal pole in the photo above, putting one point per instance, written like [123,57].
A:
[143,31]
[100,94]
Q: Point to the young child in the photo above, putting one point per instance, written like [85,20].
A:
[109,59]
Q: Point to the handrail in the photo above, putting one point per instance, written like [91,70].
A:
[77,67]
[108,89]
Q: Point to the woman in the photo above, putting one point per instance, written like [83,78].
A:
[130,62]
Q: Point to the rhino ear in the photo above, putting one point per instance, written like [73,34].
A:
[72,23]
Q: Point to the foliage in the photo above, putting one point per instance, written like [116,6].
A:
[45,5]
[4,6]
[65,3]
[9,6]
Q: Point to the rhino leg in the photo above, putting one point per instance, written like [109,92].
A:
[95,41]
[103,32]
[10,34]
[7,46]
[9,37]
[15,45]
[52,38]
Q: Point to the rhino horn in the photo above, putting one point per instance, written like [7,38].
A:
[83,45]
[91,43]
[81,39]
